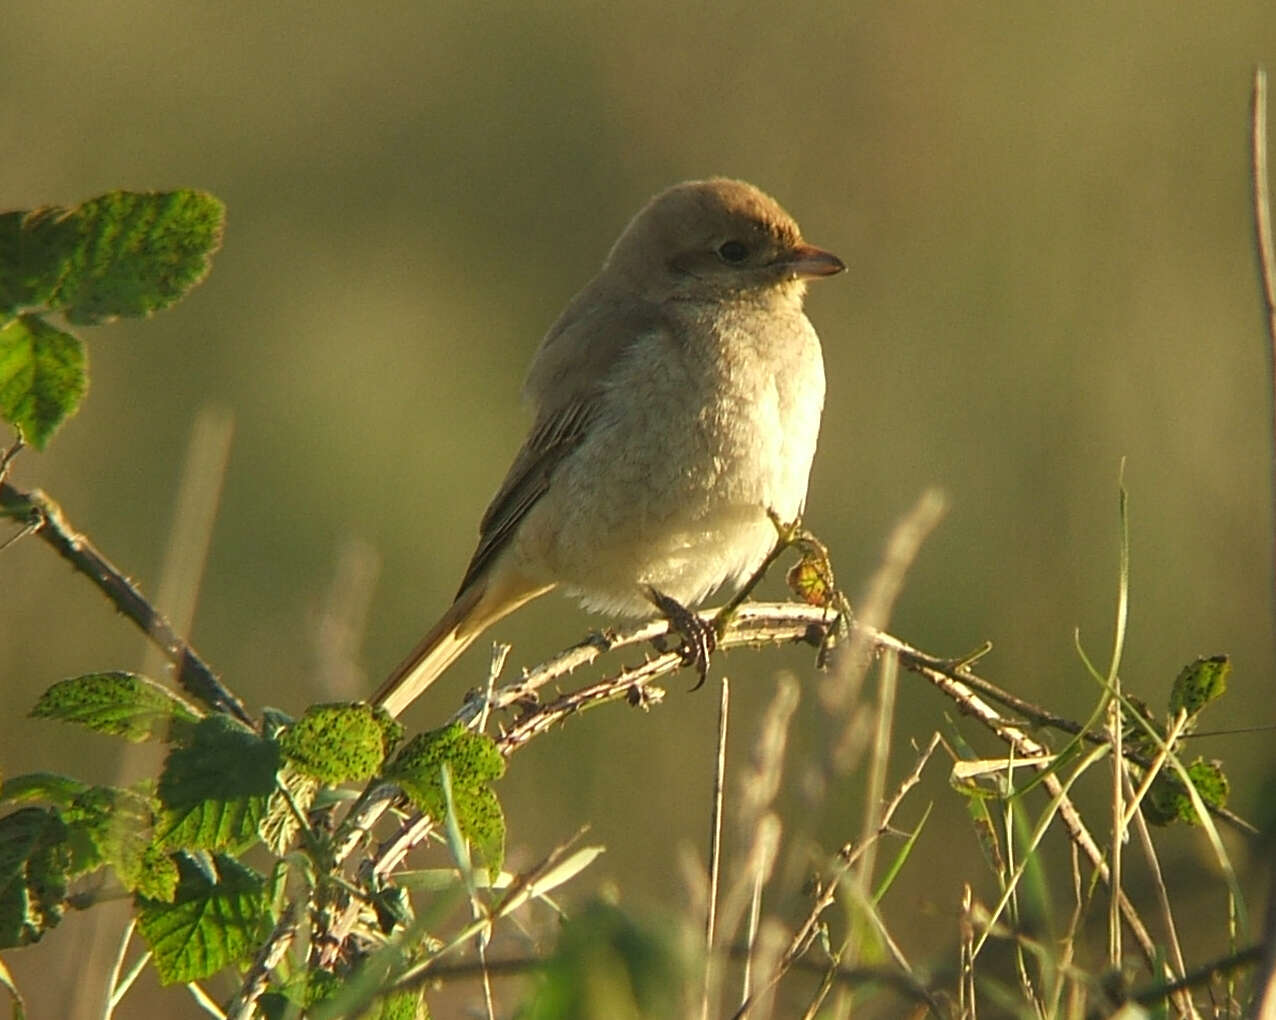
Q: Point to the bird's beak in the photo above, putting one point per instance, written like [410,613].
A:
[806,261]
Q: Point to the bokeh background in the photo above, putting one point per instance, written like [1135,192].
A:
[1045,213]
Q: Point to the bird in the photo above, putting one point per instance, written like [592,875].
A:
[676,407]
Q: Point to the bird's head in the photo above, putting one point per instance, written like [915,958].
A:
[717,239]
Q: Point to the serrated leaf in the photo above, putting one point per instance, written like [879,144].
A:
[392,730]
[1168,801]
[319,986]
[478,812]
[473,762]
[47,786]
[209,924]
[1199,683]
[42,377]
[213,794]
[1210,781]
[122,253]
[329,996]
[280,825]
[121,704]
[407,1005]
[323,987]
[109,826]
[336,743]
[305,991]
[471,757]
[157,877]
[33,874]
[33,249]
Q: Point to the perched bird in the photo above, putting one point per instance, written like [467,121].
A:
[677,401]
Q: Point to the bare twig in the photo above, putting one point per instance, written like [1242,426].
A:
[1183,1000]
[1203,975]
[379,862]
[1037,753]
[850,976]
[754,624]
[257,980]
[500,652]
[7,457]
[189,670]
[826,895]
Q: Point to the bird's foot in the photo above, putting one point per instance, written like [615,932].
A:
[699,638]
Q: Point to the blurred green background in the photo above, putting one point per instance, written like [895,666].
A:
[1045,214]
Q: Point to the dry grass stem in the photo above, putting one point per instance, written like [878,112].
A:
[715,849]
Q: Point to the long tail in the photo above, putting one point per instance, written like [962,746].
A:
[476,608]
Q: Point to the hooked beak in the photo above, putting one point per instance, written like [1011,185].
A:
[806,262]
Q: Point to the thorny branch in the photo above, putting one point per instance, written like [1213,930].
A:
[739,624]
[45,518]
[755,625]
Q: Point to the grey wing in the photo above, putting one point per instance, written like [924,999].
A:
[551,440]
[566,381]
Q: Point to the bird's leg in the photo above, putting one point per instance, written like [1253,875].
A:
[699,638]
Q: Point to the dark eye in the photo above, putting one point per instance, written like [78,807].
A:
[733,251]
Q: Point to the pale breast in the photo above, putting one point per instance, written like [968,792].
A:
[694,442]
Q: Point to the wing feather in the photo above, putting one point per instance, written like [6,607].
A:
[528,479]
[566,384]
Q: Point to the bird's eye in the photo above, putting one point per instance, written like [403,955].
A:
[733,251]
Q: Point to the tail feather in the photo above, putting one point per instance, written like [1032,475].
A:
[476,608]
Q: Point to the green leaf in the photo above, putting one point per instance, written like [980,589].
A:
[33,248]
[901,857]
[473,762]
[42,377]
[33,874]
[122,253]
[408,1005]
[47,786]
[210,924]
[1199,683]
[281,1004]
[109,826]
[157,877]
[121,704]
[478,812]
[472,758]
[336,743]
[322,986]
[608,965]
[1168,801]
[280,825]
[214,793]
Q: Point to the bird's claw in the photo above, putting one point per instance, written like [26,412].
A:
[699,638]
